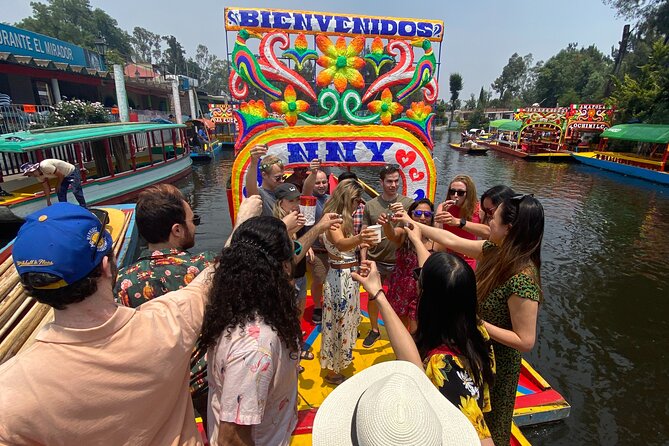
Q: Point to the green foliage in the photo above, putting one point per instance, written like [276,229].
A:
[573,76]
[470,104]
[455,85]
[477,119]
[76,22]
[516,79]
[146,45]
[77,112]
[645,96]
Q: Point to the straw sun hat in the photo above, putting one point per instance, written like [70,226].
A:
[388,404]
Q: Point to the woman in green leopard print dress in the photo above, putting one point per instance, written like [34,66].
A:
[509,292]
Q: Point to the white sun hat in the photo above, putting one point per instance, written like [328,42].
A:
[390,404]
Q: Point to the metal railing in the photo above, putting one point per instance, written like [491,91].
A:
[18,117]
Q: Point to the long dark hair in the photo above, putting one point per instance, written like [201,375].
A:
[447,313]
[250,282]
[496,194]
[520,249]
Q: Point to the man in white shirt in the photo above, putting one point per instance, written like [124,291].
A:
[65,174]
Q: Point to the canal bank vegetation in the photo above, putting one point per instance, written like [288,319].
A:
[634,77]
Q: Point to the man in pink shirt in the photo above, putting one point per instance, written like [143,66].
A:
[100,373]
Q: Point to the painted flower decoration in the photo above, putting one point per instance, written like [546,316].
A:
[377,58]
[254,108]
[340,62]
[301,52]
[419,111]
[290,107]
[385,107]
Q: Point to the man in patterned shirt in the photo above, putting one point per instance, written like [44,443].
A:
[166,221]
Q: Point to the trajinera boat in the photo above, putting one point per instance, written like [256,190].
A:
[202,150]
[648,161]
[116,162]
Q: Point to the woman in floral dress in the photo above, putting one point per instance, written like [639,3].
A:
[451,344]
[341,294]
[508,284]
[402,293]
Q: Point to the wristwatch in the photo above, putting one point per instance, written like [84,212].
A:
[462,224]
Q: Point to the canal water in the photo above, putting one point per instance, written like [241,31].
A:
[604,326]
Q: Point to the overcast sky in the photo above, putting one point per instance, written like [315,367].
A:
[480,35]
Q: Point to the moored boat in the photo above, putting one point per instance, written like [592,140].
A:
[202,150]
[469,147]
[116,162]
[652,167]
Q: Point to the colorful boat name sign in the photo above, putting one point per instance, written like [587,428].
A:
[311,22]
[342,146]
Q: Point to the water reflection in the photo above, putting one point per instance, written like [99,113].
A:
[604,326]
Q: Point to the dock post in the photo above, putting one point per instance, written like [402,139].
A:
[121,96]
[177,101]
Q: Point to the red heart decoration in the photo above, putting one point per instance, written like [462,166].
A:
[405,159]
[415,175]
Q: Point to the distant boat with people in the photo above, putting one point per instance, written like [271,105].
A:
[116,161]
[648,161]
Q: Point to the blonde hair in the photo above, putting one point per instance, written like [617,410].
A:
[469,207]
[341,202]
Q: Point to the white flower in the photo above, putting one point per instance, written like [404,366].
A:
[468,382]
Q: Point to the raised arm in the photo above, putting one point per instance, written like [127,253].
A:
[250,207]
[336,236]
[252,173]
[400,338]
[330,221]
[310,182]
[395,235]
[471,248]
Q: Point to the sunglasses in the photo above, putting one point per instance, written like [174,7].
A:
[266,166]
[490,212]
[459,193]
[391,167]
[426,214]
[416,273]
[103,216]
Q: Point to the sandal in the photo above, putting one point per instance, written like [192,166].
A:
[307,355]
[335,381]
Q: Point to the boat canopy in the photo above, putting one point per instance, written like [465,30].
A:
[44,138]
[653,133]
[497,122]
[510,126]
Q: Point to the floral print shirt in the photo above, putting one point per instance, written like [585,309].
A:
[450,373]
[157,273]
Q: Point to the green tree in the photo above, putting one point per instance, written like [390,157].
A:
[174,56]
[204,61]
[76,22]
[470,104]
[477,119]
[455,85]
[145,45]
[219,72]
[484,98]
[514,77]
[573,75]
[646,96]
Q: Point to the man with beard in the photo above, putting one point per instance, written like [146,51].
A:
[167,222]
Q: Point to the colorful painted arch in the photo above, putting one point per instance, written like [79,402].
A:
[344,146]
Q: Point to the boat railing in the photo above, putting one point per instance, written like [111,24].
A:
[22,117]
[630,161]
[102,158]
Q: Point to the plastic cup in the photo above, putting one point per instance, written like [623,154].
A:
[378,230]
[308,209]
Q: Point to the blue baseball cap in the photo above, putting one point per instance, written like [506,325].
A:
[63,240]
